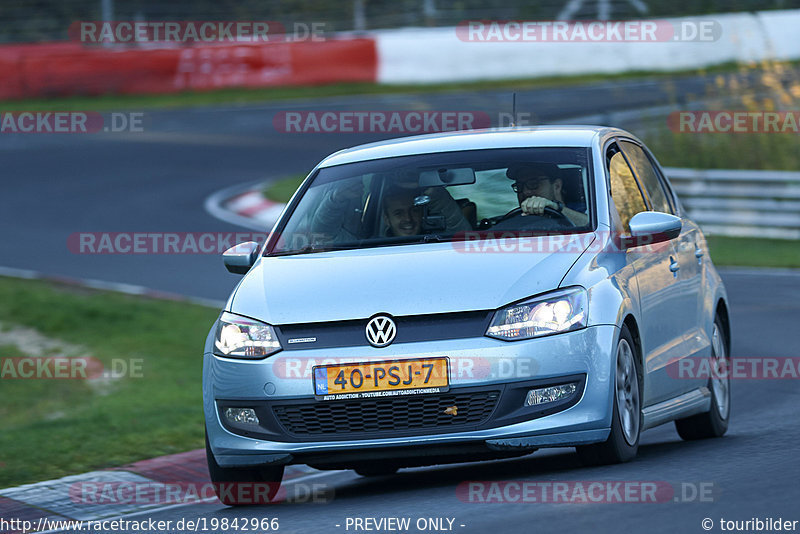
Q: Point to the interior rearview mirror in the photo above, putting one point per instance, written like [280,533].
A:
[446,176]
[238,259]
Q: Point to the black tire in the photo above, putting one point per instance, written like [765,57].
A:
[243,487]
[376,469]
[710,424]
[617,449]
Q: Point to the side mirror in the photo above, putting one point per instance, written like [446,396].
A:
[240,258]
[650,227]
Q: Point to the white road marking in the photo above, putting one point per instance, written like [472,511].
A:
[164,508]
[214,207]
[117,287]
[62,496]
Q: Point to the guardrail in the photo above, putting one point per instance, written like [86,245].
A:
[741,203]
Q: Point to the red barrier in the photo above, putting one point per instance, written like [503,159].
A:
[65,69]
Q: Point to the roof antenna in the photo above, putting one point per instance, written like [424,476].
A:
[513,110]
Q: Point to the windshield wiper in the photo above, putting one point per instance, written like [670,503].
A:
[370,243]
[413,240]
[311,248]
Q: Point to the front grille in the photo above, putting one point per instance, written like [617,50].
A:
[396,414]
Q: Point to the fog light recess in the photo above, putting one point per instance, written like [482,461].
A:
[242,416]
[546,395]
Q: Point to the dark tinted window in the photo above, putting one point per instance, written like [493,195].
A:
[437,197]
[624,190]
[648,177]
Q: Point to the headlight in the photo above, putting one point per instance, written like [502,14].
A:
[240,337]
[560,311]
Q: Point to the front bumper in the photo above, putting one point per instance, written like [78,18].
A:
[476,364]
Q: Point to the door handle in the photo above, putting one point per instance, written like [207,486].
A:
[698,253]
[674,266]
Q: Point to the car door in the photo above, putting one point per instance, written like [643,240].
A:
[694,250]
[656,274]
[696,342]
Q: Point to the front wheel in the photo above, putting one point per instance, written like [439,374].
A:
[626,418]
[713,423]
[246,486]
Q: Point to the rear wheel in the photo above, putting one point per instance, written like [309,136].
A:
[242,487]
[623,440]
[713,423]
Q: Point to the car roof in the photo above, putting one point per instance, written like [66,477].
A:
[515,137]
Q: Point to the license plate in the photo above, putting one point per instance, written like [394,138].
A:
[381,379]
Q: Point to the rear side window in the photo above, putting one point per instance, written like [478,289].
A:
[647,176]
[624,190]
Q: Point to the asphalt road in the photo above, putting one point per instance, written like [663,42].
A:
[750,472]
[56,185]
[157,181]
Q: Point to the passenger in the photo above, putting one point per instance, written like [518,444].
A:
[400,214]
[539,186]
[337,218]
[405,219]
[334,219]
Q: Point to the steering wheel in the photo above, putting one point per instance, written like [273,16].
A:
[547,211]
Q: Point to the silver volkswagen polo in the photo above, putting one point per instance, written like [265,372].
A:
[467,296]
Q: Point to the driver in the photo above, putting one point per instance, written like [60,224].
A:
[539,186]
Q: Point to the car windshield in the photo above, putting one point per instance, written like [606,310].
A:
[439,197]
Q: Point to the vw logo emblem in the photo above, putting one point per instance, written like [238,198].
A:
[381,331]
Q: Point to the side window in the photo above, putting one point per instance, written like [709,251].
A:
[673,200]
[648,176]
[624,190]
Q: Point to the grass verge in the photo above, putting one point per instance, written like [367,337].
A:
[755,151]
[51,428]
[754,252]
[283,189]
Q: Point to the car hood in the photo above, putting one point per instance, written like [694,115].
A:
[404,280]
